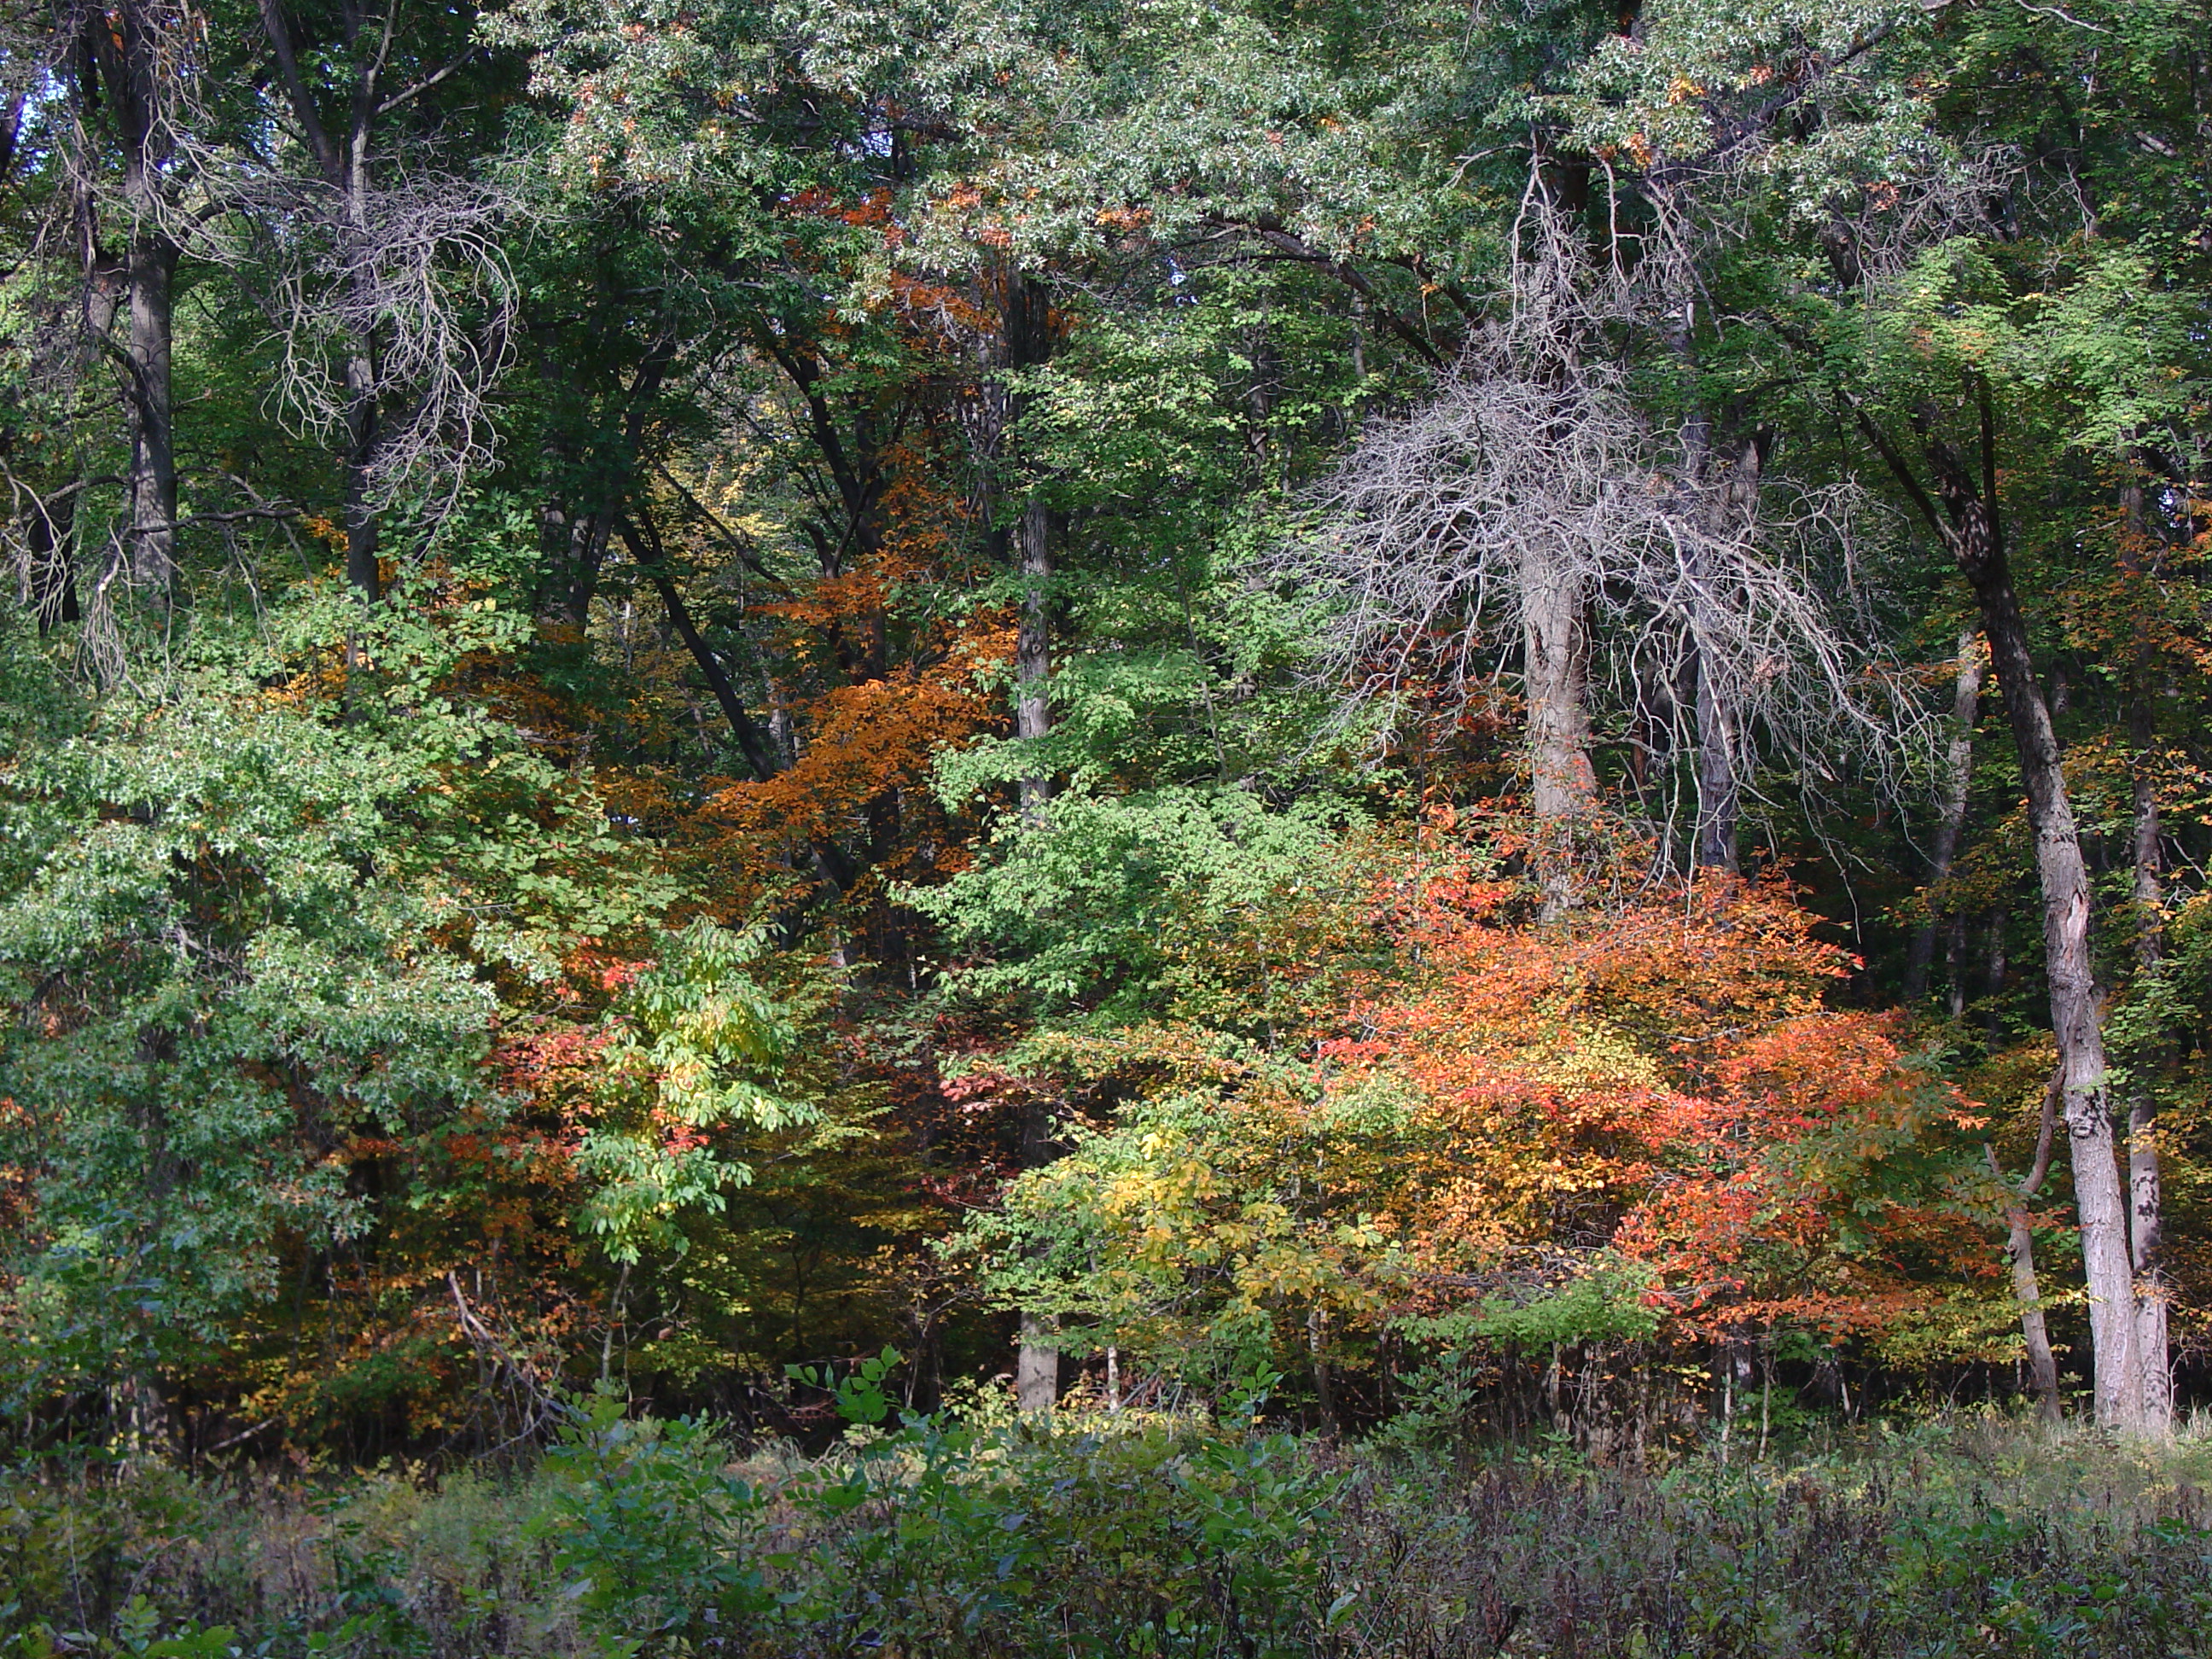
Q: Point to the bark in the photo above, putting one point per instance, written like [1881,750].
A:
[52,574]
[1719,797]
[2146,1235]
[363,423]
[1027,341]
[53,530]
[1971,524]
[342,152]
[1724,501]
[1032,553]
[1554,670]
[1731,508]
[153,484]
[2019,1251]
[1951,818]
[125,47]
[2146,1231]
[1555,655]
[2075,1017]
[1036,1366]
[1332,1425]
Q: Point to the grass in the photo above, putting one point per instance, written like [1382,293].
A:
[1970,1535]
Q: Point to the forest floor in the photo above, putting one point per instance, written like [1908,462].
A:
[1965,1536]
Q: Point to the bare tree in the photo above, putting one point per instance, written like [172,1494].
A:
[389,293]
[1527,523]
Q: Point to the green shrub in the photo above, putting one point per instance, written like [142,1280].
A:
[657,1542]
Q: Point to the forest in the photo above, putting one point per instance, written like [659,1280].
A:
[1124,827]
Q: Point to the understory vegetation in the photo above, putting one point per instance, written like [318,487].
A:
[1974,1535]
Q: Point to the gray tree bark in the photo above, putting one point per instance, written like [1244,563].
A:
[2146,1228]
[1037,1369]
[126,46]
[153,410]
[1730,511]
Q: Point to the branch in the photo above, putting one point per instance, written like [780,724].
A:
[2052,1093]
[242,514]
[278,28]
[1305,252]
[1898,468]
[424,84]
[739,544]
[643,540]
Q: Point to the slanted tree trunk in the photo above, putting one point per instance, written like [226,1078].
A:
[1971,524]
[2019,1252]
[1951,816]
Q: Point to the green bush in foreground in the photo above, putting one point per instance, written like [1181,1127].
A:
[641,1537]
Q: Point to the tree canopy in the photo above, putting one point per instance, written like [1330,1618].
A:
[1357,689]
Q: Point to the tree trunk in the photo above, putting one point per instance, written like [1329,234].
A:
[52,531]
[1555,664]
[1037,1377]
[1332,1425]
[1563,787]
[1722,499]
[152,482]
[2074,1016]
[1719,799]
[1975,537]
[1728,511]
[2142,539]
[363,431]
[127,46]
[1958,773]
[1028,340]
[2146,1230]
[2019,1251]
[52,574]
[2042,1367]
[343,160]
[1032,554]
